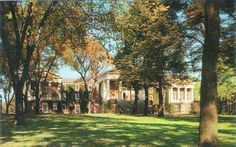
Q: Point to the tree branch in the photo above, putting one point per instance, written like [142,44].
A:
[46,14]
[28,21]
[17,35]
[195,38]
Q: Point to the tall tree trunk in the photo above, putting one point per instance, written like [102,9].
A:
[26,103]
[160,95]
[7,108]
[208,130]
[85,97]
[37,98]
[6,99]
[14,54]
[19,117]
[135,108]
[146,100]
[26,97]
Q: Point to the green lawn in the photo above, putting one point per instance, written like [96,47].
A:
[110,130]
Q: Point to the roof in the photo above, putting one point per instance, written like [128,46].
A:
[114,71]
[68,80]
[53,75]
[179,81]
[81,80]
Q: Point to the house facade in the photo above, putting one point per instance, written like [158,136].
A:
[76,85]
[178,96]
[49,94]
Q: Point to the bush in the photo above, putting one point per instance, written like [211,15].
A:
[83,95]
[104,106]
[121,106]
[71,108]
[126,107]
[141,106]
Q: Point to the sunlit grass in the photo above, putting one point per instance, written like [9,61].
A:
[110,130]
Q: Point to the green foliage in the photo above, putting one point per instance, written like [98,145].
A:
[122,106]
[105,106]
[197,90]
[152,43]
[227,90]
[70,96]
[126,107]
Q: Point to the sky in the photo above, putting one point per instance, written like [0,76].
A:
[66,72]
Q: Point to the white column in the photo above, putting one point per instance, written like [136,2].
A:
[178,100]
[59,90]
[120,90]
[108,90]
[49,90]
[171,95]
[185,94]
[143,94]
[103,90]
[192,98]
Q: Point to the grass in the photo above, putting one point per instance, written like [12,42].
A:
[111,130]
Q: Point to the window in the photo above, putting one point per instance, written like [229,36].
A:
[181,94]
[175,94]
[54,106]
[77,96]
[189,94]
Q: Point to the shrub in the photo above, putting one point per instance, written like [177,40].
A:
[120,106]
[104,106]
[83,95]
[126,107]
[141,106]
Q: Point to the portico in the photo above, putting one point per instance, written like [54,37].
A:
[181,94]
[111,87]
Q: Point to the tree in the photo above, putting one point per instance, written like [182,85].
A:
[226,60]
[127,63]
[70,96]
[44,61]
[88,59]
[149,33]
[207,14]
[208,112]
[19,42]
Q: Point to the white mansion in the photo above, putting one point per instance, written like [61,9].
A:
[178,95]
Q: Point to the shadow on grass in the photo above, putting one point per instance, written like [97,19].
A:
[92,130]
